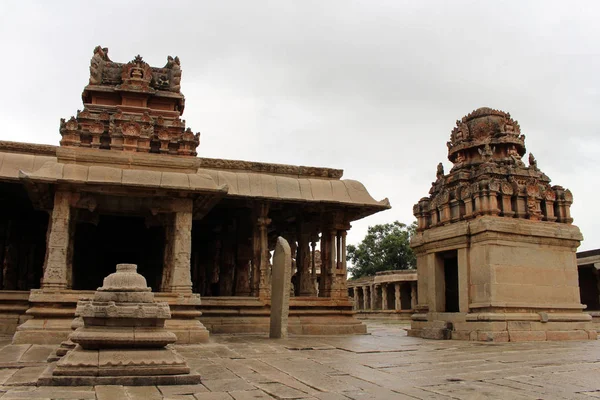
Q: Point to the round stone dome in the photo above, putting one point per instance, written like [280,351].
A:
[125,279]
[485,126]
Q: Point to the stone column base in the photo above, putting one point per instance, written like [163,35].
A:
[184,322]
[504,327]
[51,312]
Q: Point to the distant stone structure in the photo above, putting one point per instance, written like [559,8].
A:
[387,294]
[495,243]
[123,340]
[125,186]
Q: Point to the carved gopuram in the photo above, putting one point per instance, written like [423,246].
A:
[495,243]
[125,186]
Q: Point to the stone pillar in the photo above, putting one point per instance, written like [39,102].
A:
[260,252]
[413,295]
[384,303]
[366,300]
[355,297]
[303,266]
[313,266]
[242,277]
[280,289]
[176,271]
[373,292]
[398,305]
[327,258]
[58,246]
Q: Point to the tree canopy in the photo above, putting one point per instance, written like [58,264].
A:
[385,247]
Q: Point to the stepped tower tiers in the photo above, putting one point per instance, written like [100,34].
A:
[131,107]
[495,243]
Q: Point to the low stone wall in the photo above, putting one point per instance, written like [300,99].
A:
[394,315]
[307,316]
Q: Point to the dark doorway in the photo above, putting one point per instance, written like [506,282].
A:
[451,281]
[391,296]
[115,240]
[405,294]
[22,239]
[588,287]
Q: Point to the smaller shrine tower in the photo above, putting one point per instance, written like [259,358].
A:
[495,243]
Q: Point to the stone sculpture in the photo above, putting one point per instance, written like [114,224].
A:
[123,339]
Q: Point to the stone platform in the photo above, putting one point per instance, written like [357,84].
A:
[383,365]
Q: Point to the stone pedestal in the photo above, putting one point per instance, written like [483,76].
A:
[123,339]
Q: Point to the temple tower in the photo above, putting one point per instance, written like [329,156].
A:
[495,243]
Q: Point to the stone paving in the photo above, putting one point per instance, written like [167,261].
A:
[383,365]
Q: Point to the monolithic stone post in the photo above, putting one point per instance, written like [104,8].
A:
[398,305]
[280,289]
[355,298]
[176,274]
[57,249]
[366,300]
[384,303]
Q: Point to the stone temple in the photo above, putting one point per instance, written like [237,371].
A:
[126,186]
[495,243]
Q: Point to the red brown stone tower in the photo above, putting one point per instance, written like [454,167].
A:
[495,243]
[131,107]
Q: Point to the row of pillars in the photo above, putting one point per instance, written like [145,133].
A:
[176,272]
[375,296]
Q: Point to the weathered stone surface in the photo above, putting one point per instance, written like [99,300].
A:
[123,338]
[280,290]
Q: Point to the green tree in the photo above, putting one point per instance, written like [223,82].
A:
[385,247]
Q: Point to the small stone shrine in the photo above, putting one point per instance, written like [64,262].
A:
[495,243]
[123,340]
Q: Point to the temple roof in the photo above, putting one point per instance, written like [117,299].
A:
[192,177]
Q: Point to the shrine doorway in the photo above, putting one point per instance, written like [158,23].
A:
[112,240]
[589,287]
[22,239]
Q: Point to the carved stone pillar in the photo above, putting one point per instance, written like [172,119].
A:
[260,253]
[384,303]
[58,246]
[303,265]
[398,305]
[176,271]
[366,298]
[413,295]
[373,291]
[327,258]
[313,266]
[242,277]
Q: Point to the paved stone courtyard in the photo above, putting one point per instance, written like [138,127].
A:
[383,365]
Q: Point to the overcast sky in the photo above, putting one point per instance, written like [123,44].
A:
[372,87]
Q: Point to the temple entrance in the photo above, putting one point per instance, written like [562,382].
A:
[588,287]
[22,239]
[113,240]
[451,281]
